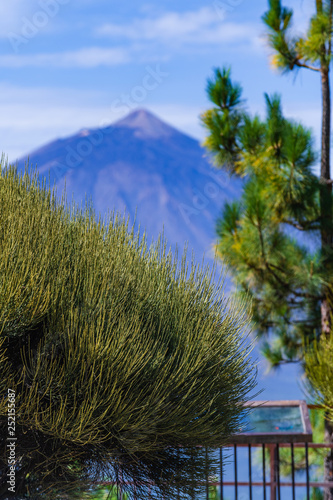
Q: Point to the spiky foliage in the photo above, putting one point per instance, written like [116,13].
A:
[121,357]
[319,372]
[319,385]
[284,277]
[311,50]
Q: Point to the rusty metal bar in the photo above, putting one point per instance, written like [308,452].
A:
[207,478]
[250,473]
[272,460]
[178,458]
[307,472]
[278,470]
[221,475]
[264,468]
[235,465]
[293,469]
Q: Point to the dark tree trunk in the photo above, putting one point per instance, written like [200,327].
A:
[326,242]
[326,188]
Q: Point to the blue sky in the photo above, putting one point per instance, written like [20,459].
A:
[72,64]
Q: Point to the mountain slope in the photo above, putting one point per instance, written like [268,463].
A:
[142,164]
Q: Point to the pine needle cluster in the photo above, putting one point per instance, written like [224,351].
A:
[319,372]
[122,357]
[281,197]
[310,50]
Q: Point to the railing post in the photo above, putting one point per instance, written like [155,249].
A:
[264,468]
[250,472]
[293,470]
[207,478]
[221,475]
[273,465]
[307,471]
[236,474]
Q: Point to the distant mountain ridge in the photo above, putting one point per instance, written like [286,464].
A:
[141,163]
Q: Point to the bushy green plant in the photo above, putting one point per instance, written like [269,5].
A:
[319,371]
[123,358]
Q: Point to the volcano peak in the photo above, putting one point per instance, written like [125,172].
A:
[146,124]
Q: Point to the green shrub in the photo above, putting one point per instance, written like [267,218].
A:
[122,358]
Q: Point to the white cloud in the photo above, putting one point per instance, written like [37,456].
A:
[83,58]
[203,26]
[171,24]
[141,40]
[32,117]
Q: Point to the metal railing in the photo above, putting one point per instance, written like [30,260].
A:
[269,480]
[273,475]
[276,483]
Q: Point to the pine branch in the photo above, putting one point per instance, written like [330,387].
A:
[279,279]
[305,225]
[298,63]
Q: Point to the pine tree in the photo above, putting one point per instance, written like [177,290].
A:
[117,358]
[274,156]
[312,52]
[290,284]
[286,280]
